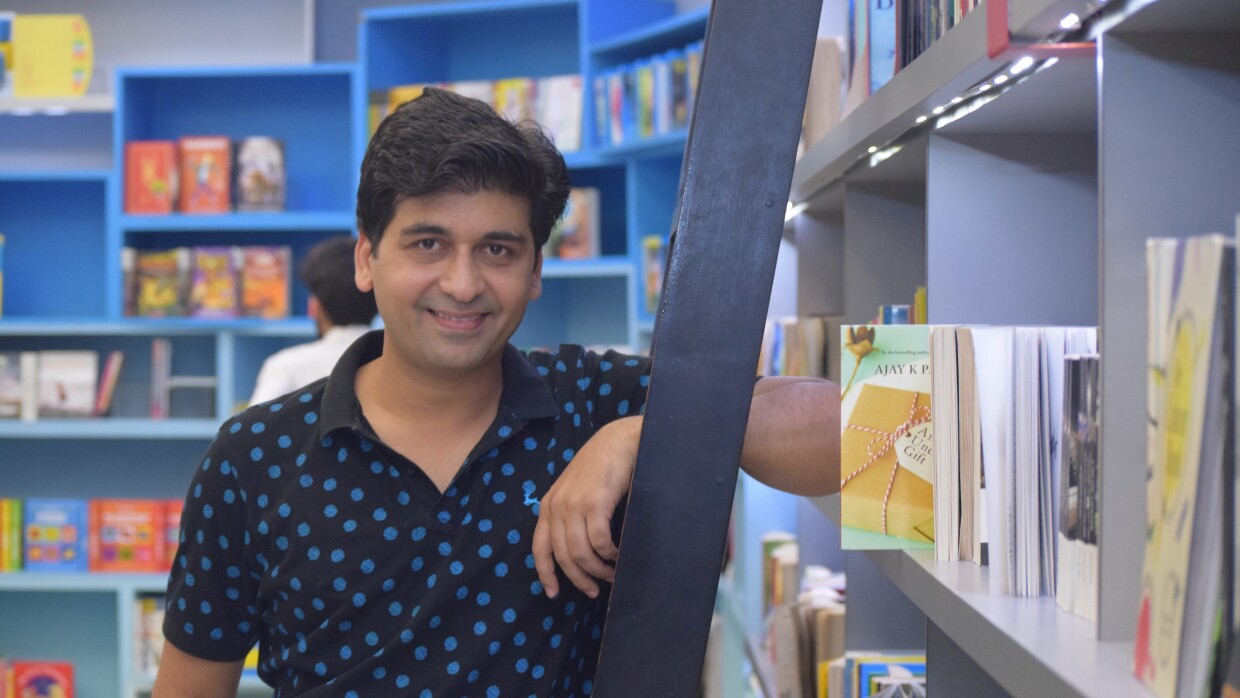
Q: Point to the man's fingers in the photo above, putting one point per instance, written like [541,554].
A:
[544,561]
[599,529]
[564,556]
[582,551]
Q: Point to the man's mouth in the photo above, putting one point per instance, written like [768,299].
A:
[458,321]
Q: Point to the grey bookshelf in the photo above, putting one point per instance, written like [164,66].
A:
[1030,203]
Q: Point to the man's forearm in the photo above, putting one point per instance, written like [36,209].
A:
[792,442]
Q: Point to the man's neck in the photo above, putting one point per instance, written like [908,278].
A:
[397,388]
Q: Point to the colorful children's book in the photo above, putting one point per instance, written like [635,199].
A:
[260,183]
[576,234]
[53,55]
[171,530]
[515,98]
[55,532]
[126,535]
[265,285]
[38,679]
[206,174]
[67,382]
[10,534]
[886,441]
[560,109]
[161,282]
[654,259]
[213,285]
[150,176]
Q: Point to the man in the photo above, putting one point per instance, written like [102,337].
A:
[341,313]
[395,528]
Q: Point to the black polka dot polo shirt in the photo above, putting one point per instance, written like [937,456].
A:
[304,534]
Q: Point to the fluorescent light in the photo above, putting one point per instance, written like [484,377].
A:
[1069,21]
[1021,66]
[794,210]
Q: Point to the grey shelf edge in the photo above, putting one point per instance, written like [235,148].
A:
[829,506]
[90,103]
[1028,645]
[951,65]
[82,581]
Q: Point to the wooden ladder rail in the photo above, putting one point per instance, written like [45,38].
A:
[734,186]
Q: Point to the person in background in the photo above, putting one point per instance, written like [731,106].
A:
[434,518]
[340,311]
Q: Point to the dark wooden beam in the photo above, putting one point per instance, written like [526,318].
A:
[734,185]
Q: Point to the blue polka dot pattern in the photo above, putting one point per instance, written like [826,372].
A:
[309,537]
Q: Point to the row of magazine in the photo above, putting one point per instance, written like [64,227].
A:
[88,535]
[205,174]
[207,281]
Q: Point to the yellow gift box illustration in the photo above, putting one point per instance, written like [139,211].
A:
[887,439]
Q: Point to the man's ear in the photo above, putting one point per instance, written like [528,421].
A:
[536,279]
[361,264]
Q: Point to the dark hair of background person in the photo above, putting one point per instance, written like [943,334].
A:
[327,271]
[442,142]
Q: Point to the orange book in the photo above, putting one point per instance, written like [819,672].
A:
[126,535]
[150,176]
[265,281]
[38,678]
[172,531]
[206,174]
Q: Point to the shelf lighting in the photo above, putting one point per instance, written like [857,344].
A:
[876,158]
[922,119]
[1000,79]
[1069,21]
[873,149]
[939,110]
[1020,66]
[984,87]
[794,210]
[1052,61]
[957,100]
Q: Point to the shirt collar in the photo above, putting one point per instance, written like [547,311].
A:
[525,396]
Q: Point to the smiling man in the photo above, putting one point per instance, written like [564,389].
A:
[400,527]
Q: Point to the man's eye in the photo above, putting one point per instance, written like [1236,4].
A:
[497,250]
[427,244]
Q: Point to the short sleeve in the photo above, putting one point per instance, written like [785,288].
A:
[211,610]
[619,384]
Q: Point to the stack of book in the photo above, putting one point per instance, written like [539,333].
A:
[88,535]
[649,97]
[205,174]
[208,282]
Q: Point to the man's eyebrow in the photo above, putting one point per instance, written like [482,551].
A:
[423,229]
[505,236]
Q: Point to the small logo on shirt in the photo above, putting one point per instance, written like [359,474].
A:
[532,502]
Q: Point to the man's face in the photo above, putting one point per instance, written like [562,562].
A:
[452,276]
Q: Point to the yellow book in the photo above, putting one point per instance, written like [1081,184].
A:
[53,55]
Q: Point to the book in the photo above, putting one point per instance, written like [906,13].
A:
[654,260]
[53,55]
[161,282]
[260,182]
[171,530]
[10,385]
[213,282]
[109,376]
[887,438]
[206,174]
[126,535]
[264,280]
[400,94]
[37,679]
[148,635]
[150,176]
[560,106]
[10,534]
[1184,572]
[515,99]
[576,234]
[54,533]
[67,383]
[1,275]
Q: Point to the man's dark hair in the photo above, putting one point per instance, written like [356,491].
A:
[328,272]
[443,142]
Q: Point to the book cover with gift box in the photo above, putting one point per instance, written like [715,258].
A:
[886,466]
